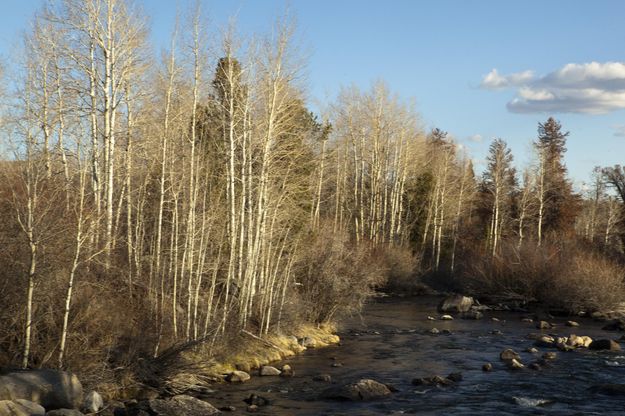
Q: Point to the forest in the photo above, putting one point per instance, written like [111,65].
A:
[154,202]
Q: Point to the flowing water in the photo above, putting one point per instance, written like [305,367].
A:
[390,343]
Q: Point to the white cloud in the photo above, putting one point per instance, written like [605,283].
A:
[494,81]
[593,88]
[476,138]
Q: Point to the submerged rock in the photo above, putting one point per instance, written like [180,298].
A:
[362,390]
[255,400]
[455,303]
[487,367]
[326,378]
[432,381]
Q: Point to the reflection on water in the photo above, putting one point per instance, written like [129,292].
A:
[390,344]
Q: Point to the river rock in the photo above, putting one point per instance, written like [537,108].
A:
[531,350]
[431,318]
[472,314]
[181,405]
[527,320]
[268,370]
[535,366]
[434,331]
[326,378]
[50,388]
[615,325]
[514,364]
[362,390]
[287,371]
[455,377]
[543,325]
[487,367]
[432,381]
[252,408]
[93,402]
[579,342]
[446,318]
[238,376]
[64,412]
[509,354]
[604,344]
[564,347]
[455,303]
[572,324]
[550,355]
[545,341]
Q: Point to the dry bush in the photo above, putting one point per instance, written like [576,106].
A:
[563,276]
[335,276]
[401,267]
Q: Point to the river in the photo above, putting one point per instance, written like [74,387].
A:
[390,343]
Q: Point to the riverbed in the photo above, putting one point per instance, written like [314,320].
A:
[391,343]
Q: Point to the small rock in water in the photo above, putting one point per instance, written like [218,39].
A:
[252,408]
[268,370]
[612,363]
[527,402]
[431,318]
[455,377]
[472,314]
[550,355]
[455,303]
[509,354]
[572,323]
[494,319]
[446,318]
[434,331]
[514,364]
[287,371]
[446,332]
[228,409]
[326,378]
[544,325]
[432,381]
[535,366]
[487,367]
[335,365]
[362,390]
[545,341]
[238,377]
[496,332]
[531,350]
[527,320]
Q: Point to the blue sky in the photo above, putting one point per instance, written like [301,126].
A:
[439,53]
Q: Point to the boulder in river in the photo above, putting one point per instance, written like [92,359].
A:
[446,318]
[455,303]
[545,341]
[604,344]
[362,390]
[268,370]
[50,388]
[238,376]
